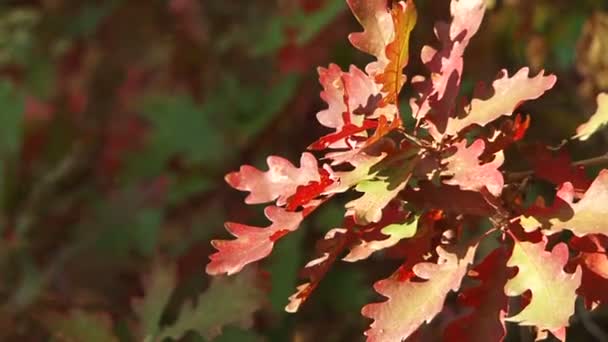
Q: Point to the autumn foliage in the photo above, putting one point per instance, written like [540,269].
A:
[430,189]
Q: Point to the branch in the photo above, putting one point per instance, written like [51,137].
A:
[595,161]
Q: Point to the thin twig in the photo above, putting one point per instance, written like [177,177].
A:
[595,161]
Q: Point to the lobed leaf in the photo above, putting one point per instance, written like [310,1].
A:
[394,233]
[377,25]
[251,243]
[583,217]
[227,301]
[553,290]
[328,250]
[437,94]
[404,17]
[411,303]
[508,94]
[488,301]
[469,174]
[158,287]
[379,192]
[597,120]
[594,262]
[79,325]
[279,182]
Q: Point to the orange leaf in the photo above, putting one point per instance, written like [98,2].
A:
[392,79]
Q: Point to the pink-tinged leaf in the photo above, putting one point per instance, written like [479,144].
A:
[377,25]
[353,106]
[589,213]
[438,92]
[468,173]
[488,300]
[412,303]
[553,290]
[597,120]
[279,182]
[328,250]
[333,95]
[251,243]
[508,93]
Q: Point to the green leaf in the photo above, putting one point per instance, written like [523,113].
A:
[11,119]
[229,300]
[78,325]
[158,287]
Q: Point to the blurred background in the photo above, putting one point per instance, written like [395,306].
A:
[119,119]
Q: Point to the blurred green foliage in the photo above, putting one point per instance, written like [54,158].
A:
[119,119]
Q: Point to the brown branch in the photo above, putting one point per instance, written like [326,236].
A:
[595,161]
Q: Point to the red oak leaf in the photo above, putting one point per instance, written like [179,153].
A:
[392,79]
[280,181]
[488,300]
[583,217]
[553,290]
[438,92]
[251,243]
[508,93]
[557,168]
[335,242]
[411,303]
[467,172]
[377,24]
[448,198]
[593,260]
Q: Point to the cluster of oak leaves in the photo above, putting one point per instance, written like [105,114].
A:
[423,188]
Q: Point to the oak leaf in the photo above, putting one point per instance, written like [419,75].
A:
[488,301]
[508,94]
[468,173]
[553,290]
[404,17]
[251,243]
[411,303]
[279,182]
